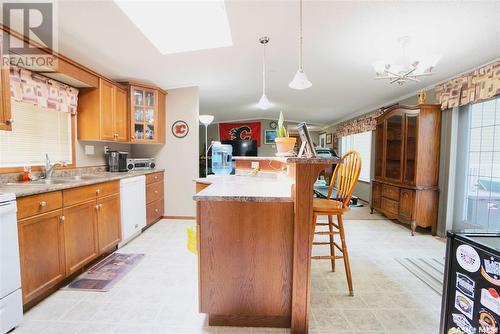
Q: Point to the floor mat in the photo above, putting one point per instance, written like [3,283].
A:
[105,274]
[428,270]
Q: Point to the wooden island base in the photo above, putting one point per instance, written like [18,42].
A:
[254,247]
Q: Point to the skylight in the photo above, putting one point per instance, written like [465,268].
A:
[180,26]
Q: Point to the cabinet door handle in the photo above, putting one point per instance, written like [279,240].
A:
[133,137]
[98,191]
[156,210]
[9,121]
[156,191]
[98,206]
[156,177]
[62,219]
[43,204]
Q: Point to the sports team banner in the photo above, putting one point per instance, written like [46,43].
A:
[240,131]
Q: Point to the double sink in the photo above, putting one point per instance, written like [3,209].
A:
[57,180]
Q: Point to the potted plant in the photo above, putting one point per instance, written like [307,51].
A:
[284,144]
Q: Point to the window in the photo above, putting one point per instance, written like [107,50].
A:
[361,142]
[36,131]
[477,200]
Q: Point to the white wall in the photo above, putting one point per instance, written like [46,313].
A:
[179,157]
[98,158]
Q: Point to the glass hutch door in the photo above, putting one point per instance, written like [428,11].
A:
[410,148]
[379,149]
[393,147]
[144,109]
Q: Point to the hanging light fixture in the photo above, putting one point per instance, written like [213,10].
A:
[300,80]
[404,68]
[264,101]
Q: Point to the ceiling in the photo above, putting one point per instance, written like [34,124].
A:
[341,41]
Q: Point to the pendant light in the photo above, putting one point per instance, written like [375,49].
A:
[300,80]
[264,101]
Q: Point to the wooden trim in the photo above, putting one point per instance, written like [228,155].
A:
[52,52]
[305,176]
[179,217]
[142,85]
[20,169]
[248,321]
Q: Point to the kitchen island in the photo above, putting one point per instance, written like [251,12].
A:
[254,243]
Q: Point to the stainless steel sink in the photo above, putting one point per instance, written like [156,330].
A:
[82,177]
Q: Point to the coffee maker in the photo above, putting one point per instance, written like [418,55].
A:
[116,161]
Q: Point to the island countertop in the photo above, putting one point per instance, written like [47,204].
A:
[291,160]
[263,187]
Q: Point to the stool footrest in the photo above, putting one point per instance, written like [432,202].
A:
[326,233]
[326,257]
[321,243]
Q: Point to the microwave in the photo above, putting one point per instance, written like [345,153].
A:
[139,164]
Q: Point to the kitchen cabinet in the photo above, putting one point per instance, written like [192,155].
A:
[62,231]
[102,113]
[108,223]
[41,250]
[154,197]
[80,231]
[147,110]
[405,186]
[5,112]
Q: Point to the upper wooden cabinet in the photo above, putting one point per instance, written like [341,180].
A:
[147,113]
[102,113]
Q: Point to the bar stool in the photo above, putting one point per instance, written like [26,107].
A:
[346,176]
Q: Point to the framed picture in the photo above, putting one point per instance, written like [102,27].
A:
[329,138]
[270,136]
[322,140]
[307,145]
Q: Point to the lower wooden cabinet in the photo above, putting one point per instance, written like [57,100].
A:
[154,197]
[41,245]
[407,204]
[108,223]
[80,231]
[54,245]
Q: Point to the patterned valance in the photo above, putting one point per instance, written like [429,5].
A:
[481,84]
[29,87]
[361,124]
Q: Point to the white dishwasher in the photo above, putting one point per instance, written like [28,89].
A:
[11,305]
[132,207]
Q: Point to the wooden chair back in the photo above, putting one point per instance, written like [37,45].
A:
[345,175]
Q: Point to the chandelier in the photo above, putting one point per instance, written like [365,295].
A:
[404,68]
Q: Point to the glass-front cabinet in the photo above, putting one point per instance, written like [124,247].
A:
[410,148]
[145,109]
[379,148]
[393,147]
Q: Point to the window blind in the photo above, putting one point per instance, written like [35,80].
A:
[36,131]
[361,142]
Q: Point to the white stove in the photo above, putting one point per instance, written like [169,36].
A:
[11,306]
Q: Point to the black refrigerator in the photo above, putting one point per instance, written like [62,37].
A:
[471,289]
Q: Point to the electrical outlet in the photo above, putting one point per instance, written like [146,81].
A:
[106,149]
[89,149]
[255,164]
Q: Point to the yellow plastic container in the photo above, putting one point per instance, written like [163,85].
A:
[191,240]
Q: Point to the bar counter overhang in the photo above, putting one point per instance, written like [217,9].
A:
[254,244]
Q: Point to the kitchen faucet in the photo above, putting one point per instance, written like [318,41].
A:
[49,166]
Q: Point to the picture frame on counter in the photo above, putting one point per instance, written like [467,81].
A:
[269,137]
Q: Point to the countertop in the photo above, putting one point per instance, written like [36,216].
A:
[21,190]
[292,160]
[263,187]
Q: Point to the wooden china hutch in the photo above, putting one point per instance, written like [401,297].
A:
[405,186]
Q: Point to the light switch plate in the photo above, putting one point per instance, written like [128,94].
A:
[255,164]
[89,149]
